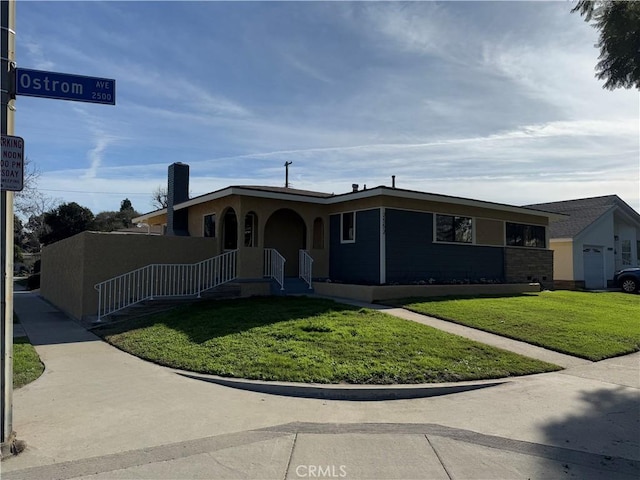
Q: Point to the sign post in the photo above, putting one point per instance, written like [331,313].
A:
[7,56]
[33,83]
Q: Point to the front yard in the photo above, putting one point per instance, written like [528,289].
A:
[590,325]
[310,340]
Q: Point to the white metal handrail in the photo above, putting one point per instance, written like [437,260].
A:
[305,267]
[164,280]
[274,266]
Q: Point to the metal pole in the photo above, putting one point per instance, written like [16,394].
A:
[7,43]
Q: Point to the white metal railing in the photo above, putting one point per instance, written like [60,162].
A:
[274,266]
[164,280]
[305,267]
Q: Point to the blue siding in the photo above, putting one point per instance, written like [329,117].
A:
[412,256]
[357,262]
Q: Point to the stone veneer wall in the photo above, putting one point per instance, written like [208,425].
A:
[528,265]
[568,284]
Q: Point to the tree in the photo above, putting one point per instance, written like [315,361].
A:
[65,221]
[619,25]
[30,201]
[160,197]
[127,212]
[108,221]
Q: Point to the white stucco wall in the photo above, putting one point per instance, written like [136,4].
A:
[598,234]
[625,231]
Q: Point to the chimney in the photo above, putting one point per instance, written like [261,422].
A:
[355,187]
[393,181]
[177,192]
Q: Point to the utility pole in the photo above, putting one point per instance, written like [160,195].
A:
[7,46]
[286,175]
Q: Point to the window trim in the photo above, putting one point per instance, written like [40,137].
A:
[353,239]
[453,242]
[215,229]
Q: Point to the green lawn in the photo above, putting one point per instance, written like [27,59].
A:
[26,362]
[588,325]
[310,340]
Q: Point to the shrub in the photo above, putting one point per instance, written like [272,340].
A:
[33,282]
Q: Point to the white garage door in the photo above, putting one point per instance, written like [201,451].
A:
[593,261]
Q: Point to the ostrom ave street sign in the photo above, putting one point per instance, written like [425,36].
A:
[12,163]
[64,86]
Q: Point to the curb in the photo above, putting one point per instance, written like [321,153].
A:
[359,393]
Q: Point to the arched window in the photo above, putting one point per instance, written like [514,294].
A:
[230,230]
[251,230]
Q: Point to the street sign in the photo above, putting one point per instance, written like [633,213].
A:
[12,163]
[64,86]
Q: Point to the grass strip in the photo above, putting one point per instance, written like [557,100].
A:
[589,325]
[26,362]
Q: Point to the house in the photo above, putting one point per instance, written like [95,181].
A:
[597,237]
[367,244]
[376,236]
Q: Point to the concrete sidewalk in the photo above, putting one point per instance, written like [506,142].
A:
[97,412]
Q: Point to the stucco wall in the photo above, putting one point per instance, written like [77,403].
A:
[598,234]
[72,267]
[372,293]
[264,208]
[626,231]
[62,273]
[562,261]
[438,207]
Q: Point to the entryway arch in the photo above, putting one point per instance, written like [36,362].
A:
[286,231]
[229,229]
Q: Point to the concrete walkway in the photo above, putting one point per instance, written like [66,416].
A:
[504,343]
[97,412]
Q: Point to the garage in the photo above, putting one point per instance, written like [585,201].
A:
[593,261]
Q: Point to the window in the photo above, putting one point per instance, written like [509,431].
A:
[625,250]
[250,229]
[454,229]
[521,235]
[209,229]
[348,227]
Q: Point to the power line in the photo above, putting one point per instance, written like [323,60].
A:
[86,191]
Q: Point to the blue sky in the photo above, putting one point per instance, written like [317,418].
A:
[489,100]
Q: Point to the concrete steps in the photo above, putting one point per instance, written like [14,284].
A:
[163,304]
[292,286]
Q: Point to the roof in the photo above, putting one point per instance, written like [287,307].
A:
[322,198]
[290,191]
[582,212]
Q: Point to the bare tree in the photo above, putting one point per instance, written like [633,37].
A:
[159,197]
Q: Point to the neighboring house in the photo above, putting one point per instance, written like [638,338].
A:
[599,236]
[375,236]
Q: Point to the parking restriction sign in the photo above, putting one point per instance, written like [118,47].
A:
[12,162]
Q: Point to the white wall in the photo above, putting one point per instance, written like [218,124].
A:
[626,231]
[599,234]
